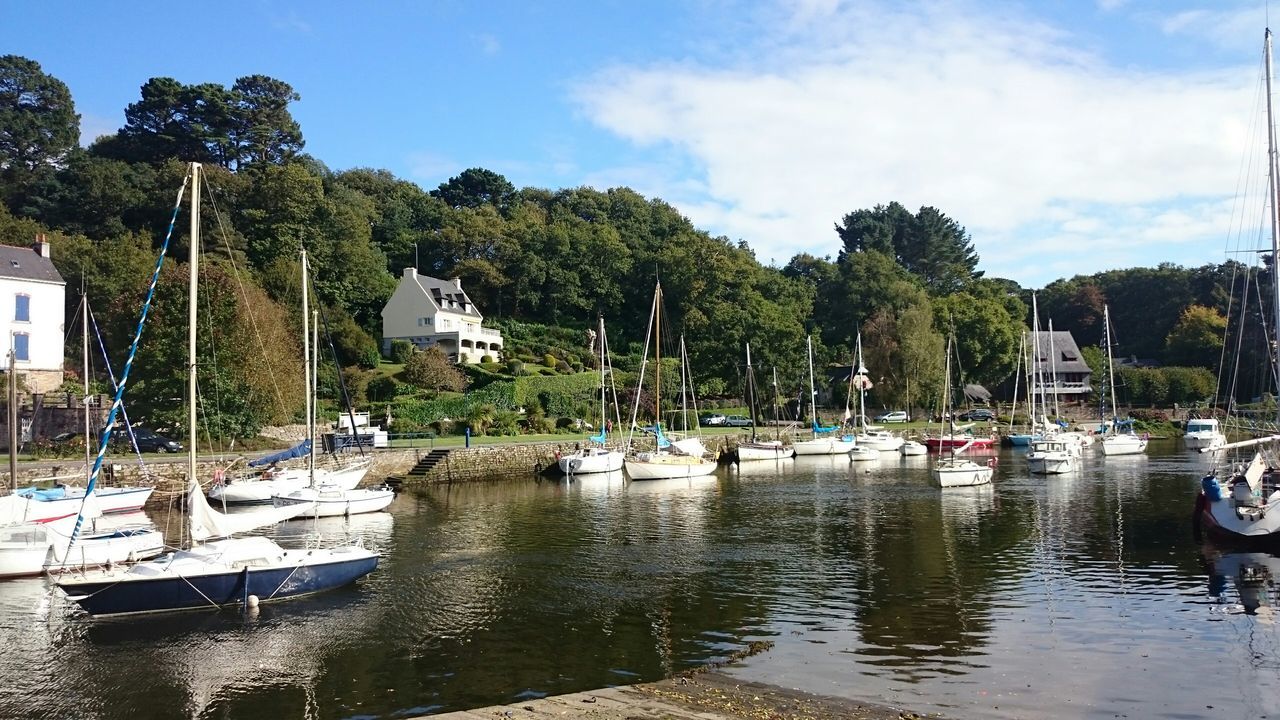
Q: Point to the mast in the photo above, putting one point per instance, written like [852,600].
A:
[862,386]
[1111,368]
[751,394]
[306,370]
[84,400]
[657,359]
[776,404]
[603,403]
[192,302]
[1053,370]
[813,403]
[1273,193]
[1022,346]
[13,420]
[1037,384]
[315,396]
[951,413]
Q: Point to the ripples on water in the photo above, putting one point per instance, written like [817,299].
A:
[1079,595]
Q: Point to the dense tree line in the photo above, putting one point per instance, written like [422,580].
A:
[557,257]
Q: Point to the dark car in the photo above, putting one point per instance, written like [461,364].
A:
[738,421]
[978,414]
[148,440]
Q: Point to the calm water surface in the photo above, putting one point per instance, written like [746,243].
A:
[1080,595]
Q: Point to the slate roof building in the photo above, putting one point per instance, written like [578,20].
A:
[430,312]
[1058,364]
[32,308]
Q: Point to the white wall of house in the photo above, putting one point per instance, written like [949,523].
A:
[43,328]
[412,314]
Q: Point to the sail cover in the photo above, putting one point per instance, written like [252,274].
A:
[13,509]
[302,449]
[690,446]
[208,523]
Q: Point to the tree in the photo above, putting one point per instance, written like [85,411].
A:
[38,125]
[929,244]
[261,128]
[430,370]
[475,187]
[1196,339]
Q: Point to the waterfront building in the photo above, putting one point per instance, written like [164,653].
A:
[430,312]
[32,306]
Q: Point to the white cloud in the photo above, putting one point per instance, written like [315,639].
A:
[1227,27]
[489,44]
[998,121]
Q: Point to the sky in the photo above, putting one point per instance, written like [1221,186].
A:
[1067,136]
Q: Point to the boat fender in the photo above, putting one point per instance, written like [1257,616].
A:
[219,476]
[252,602]
[992,462]
[1212,489]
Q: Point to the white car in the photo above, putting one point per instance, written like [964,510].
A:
[893,416]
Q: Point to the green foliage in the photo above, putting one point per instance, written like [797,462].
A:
[38,127]
[1164,386]
[487,360]
[430,370]
[354,346]
[929,245]
[382,388]
[515,367]
[401,351]
[1197,337]
[549,360]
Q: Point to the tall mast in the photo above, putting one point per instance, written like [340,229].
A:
[947,405]
[1053,369]
[315,396]
[657,357]
[603,404]
[1273,193]
[192,301]
[1037,384]
[306,370]
[84,400]
[862,386]
[1111,368]
[751,394]
[1022,346]
[813,404]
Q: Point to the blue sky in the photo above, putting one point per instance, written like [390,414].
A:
[1067,136]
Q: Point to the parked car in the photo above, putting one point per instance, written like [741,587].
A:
[738,421]
[148,440]
[893,416]
[978,414]
[710,419]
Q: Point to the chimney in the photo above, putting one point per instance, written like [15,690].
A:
[457,282]
[42,245]
[411,272]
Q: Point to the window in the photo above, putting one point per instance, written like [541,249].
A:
[22,308]
[21,349]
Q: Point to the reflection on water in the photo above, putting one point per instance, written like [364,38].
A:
[1035,597]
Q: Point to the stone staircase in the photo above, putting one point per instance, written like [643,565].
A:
[427,464]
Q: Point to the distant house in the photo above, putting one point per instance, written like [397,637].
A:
[32,305]
[429,312]
[1059,365]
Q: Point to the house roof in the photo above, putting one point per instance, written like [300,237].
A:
[23,263]
[1066,354]
[442,292]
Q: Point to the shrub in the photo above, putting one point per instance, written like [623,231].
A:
[515,367]
[382,388]
[549,360]
[430,370]
[562,367]
[487,360]
[401,351]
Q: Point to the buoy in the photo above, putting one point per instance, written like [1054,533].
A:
[253,602]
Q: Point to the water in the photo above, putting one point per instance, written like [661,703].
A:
[1080,595]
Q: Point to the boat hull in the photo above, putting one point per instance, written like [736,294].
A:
[584,462]
[257,491]
[824,446]
[946,443]
[166,593]
[880,442]
[109,500]
[1051,465]
[1203,441]
[338,504]
[962,475]
[863,454]
[913,448]
[764,451]
[652,466]
[1123,445]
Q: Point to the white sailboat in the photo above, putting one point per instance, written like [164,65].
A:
[237,572]
[596,456]
[953,471]
[262,487]
[684,458]
[870,436]
[1244,508]
[756,448]
[1115,442]
[826,440]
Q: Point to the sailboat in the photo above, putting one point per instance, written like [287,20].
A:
[330,500]
[869,436]
[683,458]
[825,440]
[1116,442]
[263,487]
[1244,508]
[756,448]
[954,471]
[596,456]
[230,572]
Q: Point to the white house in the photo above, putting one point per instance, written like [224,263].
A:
[437,313]
[32,307]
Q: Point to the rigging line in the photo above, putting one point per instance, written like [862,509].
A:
[253,320]
[128,364]
[213,353]
[342,383]
[106,361]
